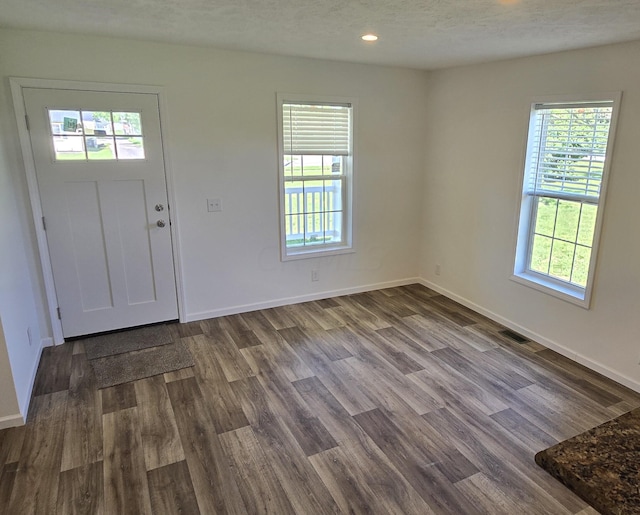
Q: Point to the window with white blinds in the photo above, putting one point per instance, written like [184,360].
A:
[316,166]
[316,129]
[567,160]
[565,175]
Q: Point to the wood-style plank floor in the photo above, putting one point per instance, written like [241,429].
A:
[392,401]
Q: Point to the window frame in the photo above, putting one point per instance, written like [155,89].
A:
[527,206]
[323,249]
[83,136]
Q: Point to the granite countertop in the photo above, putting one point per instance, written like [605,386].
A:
[601,465]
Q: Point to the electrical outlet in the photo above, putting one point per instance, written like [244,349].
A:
[438,269]
[214,205]
[314,275]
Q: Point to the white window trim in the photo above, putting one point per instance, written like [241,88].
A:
[348,247]
[557,288]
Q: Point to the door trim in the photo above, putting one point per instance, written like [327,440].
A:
[17,85]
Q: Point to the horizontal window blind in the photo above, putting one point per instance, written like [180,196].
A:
[568,150]
[319,129]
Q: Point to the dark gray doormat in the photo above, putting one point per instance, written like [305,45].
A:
[123,368]
[126,341]
[601,465]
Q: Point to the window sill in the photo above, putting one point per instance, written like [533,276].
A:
[567,293]
[305,253]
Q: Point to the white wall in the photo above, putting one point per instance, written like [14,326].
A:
[18,358]
[9,408]
[477,122]
[222,144]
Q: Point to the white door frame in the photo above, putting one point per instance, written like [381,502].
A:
[17,84]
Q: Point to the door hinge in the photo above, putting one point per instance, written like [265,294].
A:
[44,224]
[26,120]
[59,314]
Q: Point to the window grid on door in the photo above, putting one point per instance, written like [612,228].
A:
[93,135]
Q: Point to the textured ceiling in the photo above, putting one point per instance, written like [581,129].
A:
[415,33]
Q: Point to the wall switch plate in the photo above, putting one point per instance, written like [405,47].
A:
[438,269]
[214,205]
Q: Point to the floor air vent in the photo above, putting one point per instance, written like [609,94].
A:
[514,336]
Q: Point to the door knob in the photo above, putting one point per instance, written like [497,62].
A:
[161,223]
[159,207]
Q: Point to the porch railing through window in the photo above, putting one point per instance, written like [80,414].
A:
[313,214]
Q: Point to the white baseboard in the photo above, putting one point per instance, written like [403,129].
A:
[24,408]
[11,421]
[559,348]
[244,308]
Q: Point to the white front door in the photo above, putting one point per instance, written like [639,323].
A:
[100,170]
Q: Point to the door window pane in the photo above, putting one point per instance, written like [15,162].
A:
[82,135]
[100,149]
[66,131]
[69,148]
[130,148]
[97,123]
[65,122]
[127,124]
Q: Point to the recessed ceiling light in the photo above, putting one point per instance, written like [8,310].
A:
[369,37]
